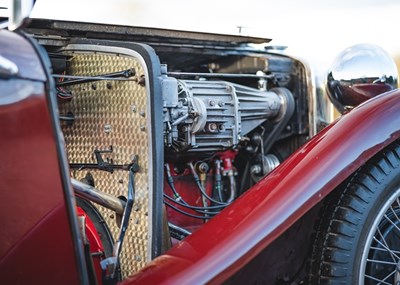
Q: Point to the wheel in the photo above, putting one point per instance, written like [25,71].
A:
[357,240]
[106,240]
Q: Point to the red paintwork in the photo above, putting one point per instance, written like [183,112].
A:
[227,242]
[358,93]
[187,189]
[96,246]
[227,157]
[36,245]
[16,48]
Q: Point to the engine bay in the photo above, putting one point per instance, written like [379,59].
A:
[204,123]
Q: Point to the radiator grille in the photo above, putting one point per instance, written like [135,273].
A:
[112,113]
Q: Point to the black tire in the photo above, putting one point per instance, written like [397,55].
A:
[358,236]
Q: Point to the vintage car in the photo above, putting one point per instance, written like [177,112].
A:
[137,155]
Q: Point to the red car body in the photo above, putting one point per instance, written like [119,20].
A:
[233,238]
[40,239]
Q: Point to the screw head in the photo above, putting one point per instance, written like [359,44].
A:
[107,128]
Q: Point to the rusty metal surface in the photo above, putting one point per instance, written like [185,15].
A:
[112,113]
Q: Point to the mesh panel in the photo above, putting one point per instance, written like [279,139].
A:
[112,113]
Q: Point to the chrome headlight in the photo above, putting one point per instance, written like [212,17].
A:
[359,73]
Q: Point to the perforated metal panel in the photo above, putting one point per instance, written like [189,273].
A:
[112,113]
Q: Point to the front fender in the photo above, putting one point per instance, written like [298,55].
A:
[231,239]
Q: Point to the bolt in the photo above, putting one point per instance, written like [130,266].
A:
[107,128]
[202,167]
[94,86]
[212,103]
[109,85]
[142,81]
[212,127]
[142,128]
[142,113]
[256,169]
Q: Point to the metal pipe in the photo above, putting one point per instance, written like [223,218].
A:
[232,189]
[181,231]
[90,193]
[219,75]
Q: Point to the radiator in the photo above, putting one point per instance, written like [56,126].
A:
[112,113]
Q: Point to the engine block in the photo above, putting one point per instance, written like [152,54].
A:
[209,116]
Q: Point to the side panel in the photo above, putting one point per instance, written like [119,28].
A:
[36,241]
[241,231]
[112,116]
[125,117]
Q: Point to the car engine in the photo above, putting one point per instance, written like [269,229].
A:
[209,116]
[204,120]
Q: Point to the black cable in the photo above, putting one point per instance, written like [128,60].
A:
[197,180]
[179,197]
[282,123]
[202,210]
[218,179]
[170,182]
[183,212]
[177,232]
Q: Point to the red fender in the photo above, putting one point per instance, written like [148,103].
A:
[39,240]
[95,244]
[231,239]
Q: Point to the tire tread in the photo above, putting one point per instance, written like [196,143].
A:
[342,216]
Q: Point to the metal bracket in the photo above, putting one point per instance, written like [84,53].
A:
[110,264]
[107,165]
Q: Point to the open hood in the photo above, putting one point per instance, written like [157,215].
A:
[202,21]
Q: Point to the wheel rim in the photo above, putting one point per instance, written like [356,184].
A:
[381,255]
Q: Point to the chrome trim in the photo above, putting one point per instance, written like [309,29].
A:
[92,194]
[372,231]
[359,73]
[7,67]
[4,25]
[313,99]
[311,95]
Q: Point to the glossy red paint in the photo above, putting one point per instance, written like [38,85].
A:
[185,185]
[186,188]
[96,246]
[358,93]
[36,245]
[15,48]
[226,243]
